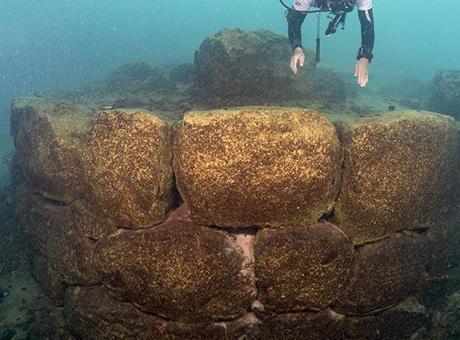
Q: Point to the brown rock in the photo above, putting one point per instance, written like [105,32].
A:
[240,67]
[399,174]
[129,168]
[300,268]
[62,239]
[311,326]
[50,140]
[91,313]
[178,270]
[276,166]
[385,273]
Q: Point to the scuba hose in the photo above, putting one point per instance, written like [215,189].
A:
[318,39]
[338,12]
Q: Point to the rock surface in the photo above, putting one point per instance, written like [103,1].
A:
[249,67]
[129,168]
[385,273]
[276,166]
[179,271]
[49,138]
[118,162]
[63,239]
[398,174]
[301,268]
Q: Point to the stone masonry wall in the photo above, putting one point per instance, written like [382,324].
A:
[259,223]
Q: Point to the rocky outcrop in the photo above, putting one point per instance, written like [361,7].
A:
[276,166]
[446,93]
[249,67]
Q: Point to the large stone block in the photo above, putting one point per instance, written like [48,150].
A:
[50,139]
[179,271]
[300,268]
[91,313]
[118,162]
[129,168]
[399,174]
[257,166]
[238,66]
[385,273]
[62,240]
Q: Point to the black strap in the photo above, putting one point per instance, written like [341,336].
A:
[303,12]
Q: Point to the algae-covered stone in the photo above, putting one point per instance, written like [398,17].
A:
[235,65]
[129,168]
[300,268]
[385,273]
[178,270]
[49,138]
[257,166]
[315,326]
[399,173]
[92,313]
[62,239]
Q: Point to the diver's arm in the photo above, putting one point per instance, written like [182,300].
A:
[366,18]
[365,56]
[295,20]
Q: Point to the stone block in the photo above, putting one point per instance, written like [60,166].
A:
[179,271]
[257,166]
[399,173]
[299,268]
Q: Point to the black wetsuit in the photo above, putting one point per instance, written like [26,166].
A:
[366,18]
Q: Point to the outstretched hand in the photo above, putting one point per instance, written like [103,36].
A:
[362,71]
[297,58]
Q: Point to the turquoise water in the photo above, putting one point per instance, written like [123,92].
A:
[49,44]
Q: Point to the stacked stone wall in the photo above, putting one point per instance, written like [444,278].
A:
[264,223]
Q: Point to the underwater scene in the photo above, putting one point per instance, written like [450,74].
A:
[283,169]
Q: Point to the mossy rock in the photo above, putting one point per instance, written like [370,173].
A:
[400,173]
[257,166]
[250,67]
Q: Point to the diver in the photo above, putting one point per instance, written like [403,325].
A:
[338,9]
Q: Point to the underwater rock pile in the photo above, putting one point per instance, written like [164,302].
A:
[290,224]
[446,93]
[231,68]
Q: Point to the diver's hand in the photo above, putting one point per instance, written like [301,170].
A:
[362,72]
[297,58]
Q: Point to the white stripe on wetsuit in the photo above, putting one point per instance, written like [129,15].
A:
[304,5]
